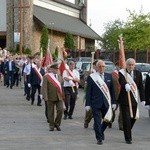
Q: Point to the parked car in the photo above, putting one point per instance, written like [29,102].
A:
[85,71]
[144,68]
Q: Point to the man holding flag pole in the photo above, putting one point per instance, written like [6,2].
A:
[131,91]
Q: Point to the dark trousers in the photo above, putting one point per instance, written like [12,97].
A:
[128,122]
[33,91]
[10,78]
[70,100]
[99,126]
[27,89]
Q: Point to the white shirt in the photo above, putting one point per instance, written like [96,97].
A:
[27,68]
[66,74]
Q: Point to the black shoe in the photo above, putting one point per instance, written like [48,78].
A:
[51,129]
[39,105]
[58,128]
[110,125]
[70,117]
[11,87]
[99,142]
[65,117]
[7,86]
[128,142]
[120,128]
[28,98]
[86,125]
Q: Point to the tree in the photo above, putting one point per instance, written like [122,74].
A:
[69,42]
[44,40]
[135,31]
[109,39]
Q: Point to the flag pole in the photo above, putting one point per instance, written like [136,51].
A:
[122,64]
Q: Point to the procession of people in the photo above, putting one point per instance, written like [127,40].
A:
[59,92]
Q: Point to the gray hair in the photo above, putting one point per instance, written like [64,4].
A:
[99,62]
[130,60]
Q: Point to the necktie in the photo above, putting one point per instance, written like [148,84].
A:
[102,76]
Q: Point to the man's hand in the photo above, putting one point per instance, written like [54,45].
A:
[29,85]
[128,87]
[87,108]
[143,103]
[114,106]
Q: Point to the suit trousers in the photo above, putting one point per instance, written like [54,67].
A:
[99,126]
[54,121]
[70,100]
[128,122]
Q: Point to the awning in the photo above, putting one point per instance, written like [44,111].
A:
[64,23]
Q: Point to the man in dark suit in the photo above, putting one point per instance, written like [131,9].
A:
[147,91]
[35,79]
[10,69]
[131,82]
[100,98]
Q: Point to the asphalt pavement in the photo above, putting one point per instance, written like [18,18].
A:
[24,127]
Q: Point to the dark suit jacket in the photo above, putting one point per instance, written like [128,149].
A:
[94,96]
[33,78]
[147,90]
[123,98]
[6,67]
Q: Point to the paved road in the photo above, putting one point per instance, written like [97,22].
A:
[24,127]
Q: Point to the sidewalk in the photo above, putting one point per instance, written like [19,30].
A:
[24,127]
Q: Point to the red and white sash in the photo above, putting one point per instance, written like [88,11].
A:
[103,87]
[55,82]
[38,74]
[134,89]
[71,75]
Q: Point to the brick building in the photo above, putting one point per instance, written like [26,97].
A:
[60,16]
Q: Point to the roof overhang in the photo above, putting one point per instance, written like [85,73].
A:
[63,23]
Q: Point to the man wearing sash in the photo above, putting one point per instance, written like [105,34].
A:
[100,98]
[52,93]
[130,93]
[35,79]
[71,79]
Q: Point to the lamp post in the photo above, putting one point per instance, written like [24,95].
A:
[51,36]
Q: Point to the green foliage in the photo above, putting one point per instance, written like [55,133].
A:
[136,32]
[56,52]
[54,57]
[69,42]
[44,40]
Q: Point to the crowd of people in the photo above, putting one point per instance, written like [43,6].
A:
[105,93]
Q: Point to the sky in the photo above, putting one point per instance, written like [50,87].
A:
[101,12]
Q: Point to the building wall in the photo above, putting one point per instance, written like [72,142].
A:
[3,16]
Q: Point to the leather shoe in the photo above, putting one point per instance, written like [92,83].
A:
[99,142]
[51,129]
[39,105]
[110,125]
[70,117]
[128,142]
[86,125]
[58,128]
[65,117]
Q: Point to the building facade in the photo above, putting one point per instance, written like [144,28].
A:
[27,18]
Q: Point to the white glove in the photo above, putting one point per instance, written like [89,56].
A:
[29,85]
[114,106]
[64,107]
[147,107]
[41,96]
[87,108]
[128,87]
[143,103]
